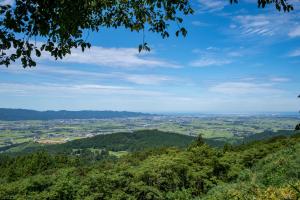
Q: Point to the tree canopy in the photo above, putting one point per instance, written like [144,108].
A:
[65,24]
[260,170]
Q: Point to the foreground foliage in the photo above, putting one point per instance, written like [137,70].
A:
[260,170]
[65,24]
[62,25]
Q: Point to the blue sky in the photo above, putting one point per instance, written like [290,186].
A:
[235,58]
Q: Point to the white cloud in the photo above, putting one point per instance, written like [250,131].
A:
[72,90]
[241,88]
[212,48]
[128,58]
[88,96]
[199,23]
[115,57]
[214,56]
[266,25]
[147,79]
[212,5]
[7,2]
[65,73]
[295,32]
[209,61]
[255,24]
[280,79]
[294,53]
[232,26]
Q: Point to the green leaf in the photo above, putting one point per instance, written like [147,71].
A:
[37,53]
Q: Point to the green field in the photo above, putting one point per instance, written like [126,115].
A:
[229,128]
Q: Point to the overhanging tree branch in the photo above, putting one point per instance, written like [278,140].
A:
[61,24]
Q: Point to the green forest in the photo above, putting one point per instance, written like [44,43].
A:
[123,141]
[266,169]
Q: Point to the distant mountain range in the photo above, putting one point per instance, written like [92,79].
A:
[7,114]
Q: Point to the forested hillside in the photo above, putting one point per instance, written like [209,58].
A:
[266,169]
[124,141]
[131,142]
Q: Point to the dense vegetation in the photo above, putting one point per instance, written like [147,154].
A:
[131,142]
[23,114]
[259,170]
[297,127]
[267,135]
[124,141]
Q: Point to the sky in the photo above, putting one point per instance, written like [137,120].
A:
[235,59]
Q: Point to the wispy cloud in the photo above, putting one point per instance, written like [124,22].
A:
[199,23]
[72,89]
[241,88]
[115,57]
[213,56]
[209,61]
[295,32]
[211,6]
[129,58]
[279,79]
[255,24]
[266,25]
[294,53]
[73,74]
[147,79]
[7,2]
[271,80]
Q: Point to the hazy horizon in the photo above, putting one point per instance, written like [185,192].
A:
[173,112]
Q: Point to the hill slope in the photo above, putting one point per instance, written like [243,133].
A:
[134,141]
[124,141]
[23,114]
